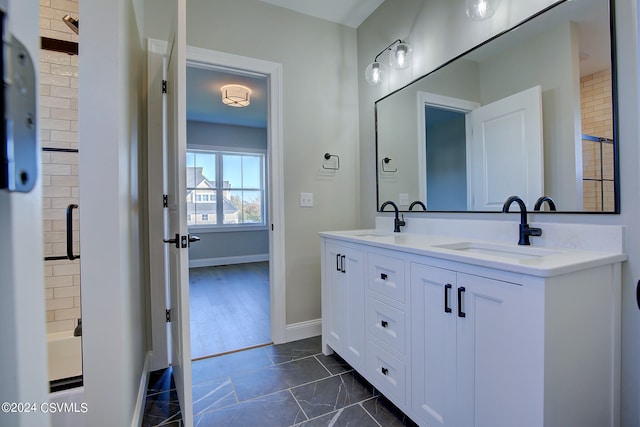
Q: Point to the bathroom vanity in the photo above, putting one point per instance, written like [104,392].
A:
[468,332]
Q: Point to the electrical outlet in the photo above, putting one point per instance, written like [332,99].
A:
[306,200]
[403,199]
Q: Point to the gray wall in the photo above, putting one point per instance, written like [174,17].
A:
[320,114]
[113,263]
[223,244]
[439,31]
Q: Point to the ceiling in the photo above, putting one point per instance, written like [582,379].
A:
[204,98]
[347,12]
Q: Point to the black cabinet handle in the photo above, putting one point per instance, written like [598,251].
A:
[383,276]
[338,262]
[461,313]
[447,288]
[342,259]
[384,323]
[384,371]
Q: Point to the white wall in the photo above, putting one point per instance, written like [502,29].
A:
[112,263]
[320,114]
[439,31]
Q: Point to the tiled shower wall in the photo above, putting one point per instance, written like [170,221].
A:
[59,130]
[597,120]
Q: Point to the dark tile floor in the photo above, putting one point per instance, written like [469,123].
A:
[291,384]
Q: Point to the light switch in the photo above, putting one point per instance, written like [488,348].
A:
[306,200]
[403,199]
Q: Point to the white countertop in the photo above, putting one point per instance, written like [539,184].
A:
[546,261]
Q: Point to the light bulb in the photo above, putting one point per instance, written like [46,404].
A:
[479,10]
[374,73]
[400,56]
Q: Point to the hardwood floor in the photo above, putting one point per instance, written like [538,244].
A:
[229,308]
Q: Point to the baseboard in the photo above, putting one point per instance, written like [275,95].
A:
[138,412]
[302,330]
[242,259]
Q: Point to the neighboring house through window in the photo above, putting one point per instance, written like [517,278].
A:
[234,178]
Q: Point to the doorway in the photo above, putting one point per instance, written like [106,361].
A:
[227,194]
[160,302]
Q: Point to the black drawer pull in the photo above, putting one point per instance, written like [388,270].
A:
[383,276]
[384,371]
[342,259]
[461,313]
[447,288]
[384,323]
[338,262]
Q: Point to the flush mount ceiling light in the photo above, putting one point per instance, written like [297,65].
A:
[236,95]
[479,10]
[399,59]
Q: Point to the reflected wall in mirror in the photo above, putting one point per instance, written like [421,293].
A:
[530,113]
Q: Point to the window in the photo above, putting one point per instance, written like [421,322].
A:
[234,178]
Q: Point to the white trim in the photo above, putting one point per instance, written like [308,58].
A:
[302,330]
[241,259]
[138,411]
[445,103]
[209,59]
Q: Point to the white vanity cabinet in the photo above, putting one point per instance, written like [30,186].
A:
[459,341]
[343,296]
[470,350]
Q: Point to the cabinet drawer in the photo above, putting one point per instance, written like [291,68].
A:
[387,323]
[386,373]
[386,276]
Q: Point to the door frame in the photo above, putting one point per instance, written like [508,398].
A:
[206,58]
[428,99]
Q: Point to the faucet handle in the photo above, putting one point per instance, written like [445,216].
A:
[534,231]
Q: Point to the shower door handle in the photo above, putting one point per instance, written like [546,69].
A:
[70,254]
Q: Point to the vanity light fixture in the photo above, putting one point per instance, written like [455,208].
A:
[236,95]
[399,59]
[479,10]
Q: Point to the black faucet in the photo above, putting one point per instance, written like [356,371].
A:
[541,200]
[525,230]
[417,202]
[397,223]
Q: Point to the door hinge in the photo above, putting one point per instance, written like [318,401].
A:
[165,200]
[164,86]
[167,315]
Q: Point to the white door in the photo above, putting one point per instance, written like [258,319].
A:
[492,354]
[505,156]
[433,320]
[176,168]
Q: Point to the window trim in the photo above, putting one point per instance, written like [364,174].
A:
[219,149]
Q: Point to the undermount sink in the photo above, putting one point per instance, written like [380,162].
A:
[497,250]
[372,234]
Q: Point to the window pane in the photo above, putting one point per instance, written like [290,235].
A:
[243,207]
[251,172]
[205,165]
[232,171]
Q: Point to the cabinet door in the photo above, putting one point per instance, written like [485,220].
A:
[490,364]
[345,314]
[433,353]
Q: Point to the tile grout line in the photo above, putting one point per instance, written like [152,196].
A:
[299,406]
